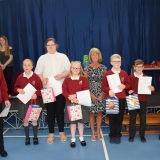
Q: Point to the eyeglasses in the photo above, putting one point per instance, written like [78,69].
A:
[116,61]
[138,66]
[74,68]
[50,45]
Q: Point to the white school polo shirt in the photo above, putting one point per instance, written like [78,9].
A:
[138,76]
[24,75]
[49,65]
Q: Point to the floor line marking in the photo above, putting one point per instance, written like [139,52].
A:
[104,146]
[55,136]
[46,136]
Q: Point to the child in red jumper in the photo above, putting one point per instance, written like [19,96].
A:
[28,77]
[134,78]
[76,82]
[3,96]
[115,120]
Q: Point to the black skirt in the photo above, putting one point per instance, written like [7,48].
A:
[22,110]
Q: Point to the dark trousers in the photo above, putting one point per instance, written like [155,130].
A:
[115,120]
[56,109]
[142,115]
[8,77]
[1,131]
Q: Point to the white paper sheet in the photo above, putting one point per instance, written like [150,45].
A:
[143,84]
[114,81]
[29,91]
[56,85]
[84,98]
[5,111]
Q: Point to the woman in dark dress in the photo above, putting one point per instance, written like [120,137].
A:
[6,62]
[94,72]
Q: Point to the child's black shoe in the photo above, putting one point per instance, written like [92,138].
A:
[4,153]
[83,143]
[27,142]
[117,140]
[143,139]
[131,139]
[35,141]
[112,140]
[73,144]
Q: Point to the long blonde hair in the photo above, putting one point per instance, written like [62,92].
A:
[81,73]
[7,50]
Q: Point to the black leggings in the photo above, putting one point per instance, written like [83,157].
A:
[8,77]
[1,132]
[56,108]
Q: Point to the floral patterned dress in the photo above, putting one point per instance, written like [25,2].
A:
[95,76]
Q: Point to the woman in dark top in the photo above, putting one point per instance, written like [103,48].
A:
[6,62]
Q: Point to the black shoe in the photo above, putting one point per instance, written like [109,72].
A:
[83,143]
[27,142]
[4,153]
[112,140]
[73,144]
[35,141]
[131,139]
[143,139]
[117,140]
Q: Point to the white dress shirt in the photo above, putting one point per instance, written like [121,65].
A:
[49,65]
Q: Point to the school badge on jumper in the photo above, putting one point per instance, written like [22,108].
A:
[80,82]
[122,79]
[33,82]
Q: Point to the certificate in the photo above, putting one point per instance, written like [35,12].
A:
[143,84]
[114,82]
[29,91]
[56,85]
[84,98]
[5,111]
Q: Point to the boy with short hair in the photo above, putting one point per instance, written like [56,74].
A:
[134,78]
[115,120]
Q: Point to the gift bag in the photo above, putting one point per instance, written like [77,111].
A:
[74,112]
[132,102]
[33,112]
[112,105]
[48,95]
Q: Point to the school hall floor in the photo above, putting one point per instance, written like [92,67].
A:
[98,150]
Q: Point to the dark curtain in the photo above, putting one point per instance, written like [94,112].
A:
[128,27]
